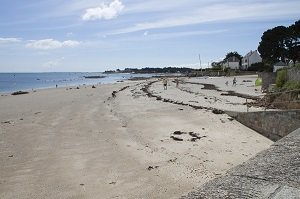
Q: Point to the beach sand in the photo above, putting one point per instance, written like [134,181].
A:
[85,143]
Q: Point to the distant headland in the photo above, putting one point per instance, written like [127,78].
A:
[152,70]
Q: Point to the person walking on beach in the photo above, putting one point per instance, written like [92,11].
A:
[165,83]
[177,82]
[234,82]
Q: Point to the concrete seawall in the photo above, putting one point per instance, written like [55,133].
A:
[273,173]
[272,124]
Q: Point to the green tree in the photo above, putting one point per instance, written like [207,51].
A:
[293,43]
[257,67]
[272,47]
[216,66]
[280,44]
[233,54]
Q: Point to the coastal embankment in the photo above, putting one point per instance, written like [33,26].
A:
[272,173]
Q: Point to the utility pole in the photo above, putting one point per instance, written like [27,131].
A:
[200,64]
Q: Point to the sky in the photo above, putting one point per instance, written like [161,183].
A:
[99,35]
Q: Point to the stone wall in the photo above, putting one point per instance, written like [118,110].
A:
[294,74]
[267,79]
[272,124]
[270,78]
[272,173]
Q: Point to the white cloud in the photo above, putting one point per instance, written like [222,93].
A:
[48,44]
[171,35]
[214,12]
[188,33]
[70,43]
[9,40]
[104,11]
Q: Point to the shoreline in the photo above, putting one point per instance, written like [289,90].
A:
[36,81]
[140,76]
[88,142]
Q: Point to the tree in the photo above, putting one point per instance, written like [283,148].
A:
[293,43]
[257,67]
[272,47]
[280,44]
[233,54]
[216,66]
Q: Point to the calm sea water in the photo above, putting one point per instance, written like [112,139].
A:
[10,82]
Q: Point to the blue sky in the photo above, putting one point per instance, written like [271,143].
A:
[98,35]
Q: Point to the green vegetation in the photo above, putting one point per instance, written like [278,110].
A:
[256,67]
[282,82]
[258,82]
[227,71]
[291,85]
[260,67]
[280,44]
[233,54]
[281,78]
[153,70]
[216,66]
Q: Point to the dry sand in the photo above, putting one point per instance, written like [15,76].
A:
[83,143]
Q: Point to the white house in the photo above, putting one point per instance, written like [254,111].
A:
[279,65]
[250,58]
[232,63]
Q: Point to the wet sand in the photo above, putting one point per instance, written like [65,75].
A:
[88,143]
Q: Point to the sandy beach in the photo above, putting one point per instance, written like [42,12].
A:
[141,142]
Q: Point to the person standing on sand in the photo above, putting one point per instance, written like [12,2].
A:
[177,82]
[234,82]
[226,83]
[165,83]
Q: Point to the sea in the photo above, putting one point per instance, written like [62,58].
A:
[11,82]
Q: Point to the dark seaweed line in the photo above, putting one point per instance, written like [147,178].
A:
[232,93]
[114,93]
[206,86]
[145,89]
[229,93]
[191,92]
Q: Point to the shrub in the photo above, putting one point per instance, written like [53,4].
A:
[258,82]
[281,78]
[256,67]
[292,85]
[226,70]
